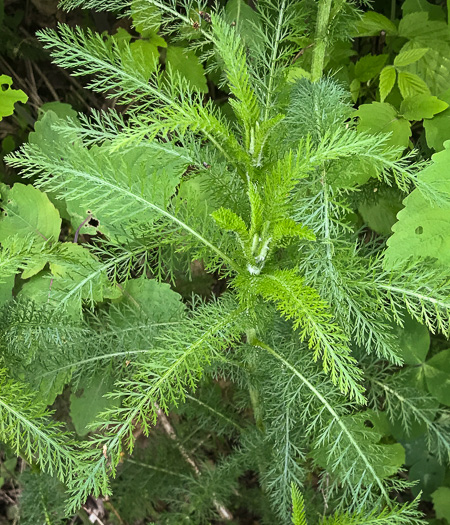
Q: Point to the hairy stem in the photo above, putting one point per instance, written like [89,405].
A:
[273,59]
[320,40]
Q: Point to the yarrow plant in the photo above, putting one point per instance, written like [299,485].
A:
[257,194]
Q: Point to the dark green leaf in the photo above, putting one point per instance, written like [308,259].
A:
[437,373]
[369,67]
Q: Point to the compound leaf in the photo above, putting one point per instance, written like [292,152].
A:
[369,66]
[387,80]
[409,56]
[422,106]
[411,84]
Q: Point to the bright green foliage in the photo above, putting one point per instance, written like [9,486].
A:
[298,507]
[422,106]
[404,58]
[406,514]
[30,431]
[9,96]
[388,76]
[415,52]
[260,195]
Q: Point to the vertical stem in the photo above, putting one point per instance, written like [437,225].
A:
[393,5]
[273,59]
[320,40]
[253,390]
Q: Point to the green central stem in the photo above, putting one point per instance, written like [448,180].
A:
[255,397]
[320,41]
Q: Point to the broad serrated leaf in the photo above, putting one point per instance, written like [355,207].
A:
[245,19]
[422,227]
[355,87]
[146,54]
[409,56]
[372,23]
[434,67]
[187,64]
[9,96]
[437,374]
[60,109]
[369,66]
[411,84]
[27,213]
[380,213]
[437,129]
[157,300]
[75,276]
[422,106]
[417,26]
[380,117]
[435,12]
[388,76]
